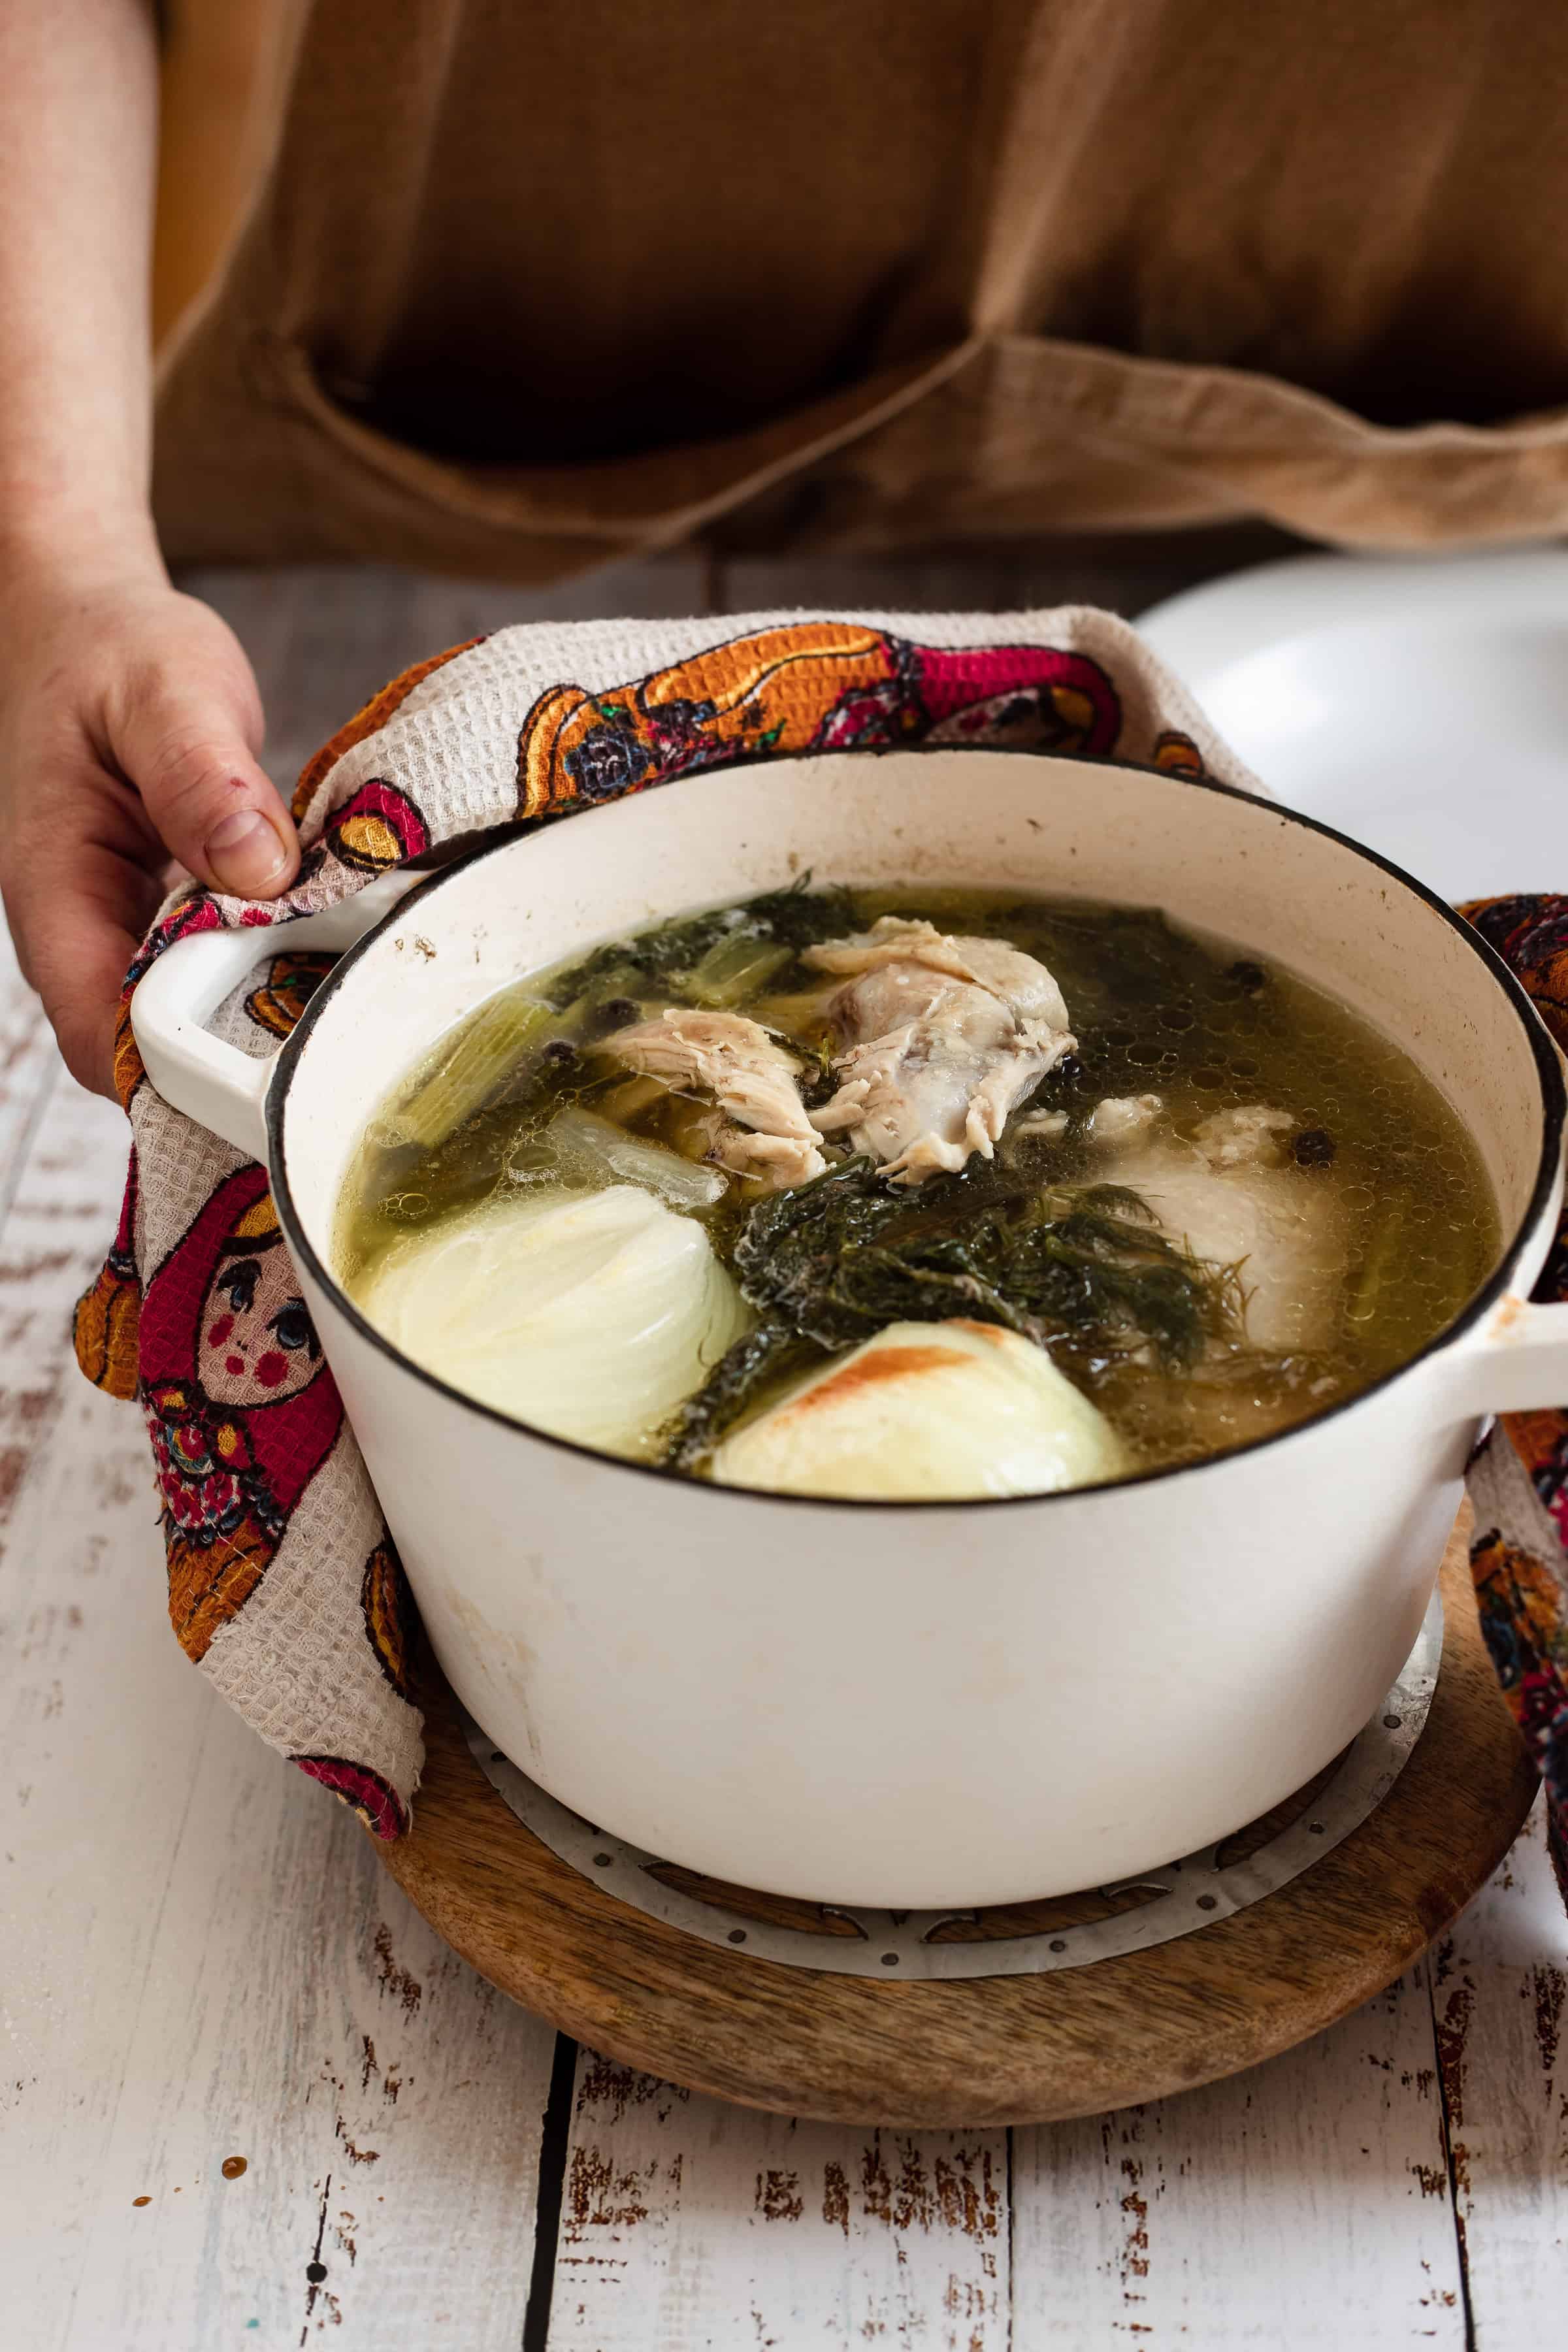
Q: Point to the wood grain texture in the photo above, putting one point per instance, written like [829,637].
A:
[1303,2204]
[1009,2049]
[686,2223]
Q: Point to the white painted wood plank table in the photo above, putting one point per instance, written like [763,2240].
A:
[249,2100]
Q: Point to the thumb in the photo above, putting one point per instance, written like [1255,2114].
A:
[191,757]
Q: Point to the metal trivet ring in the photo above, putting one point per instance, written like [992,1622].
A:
[1178,1900]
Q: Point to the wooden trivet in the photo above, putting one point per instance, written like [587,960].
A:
[1021,2049]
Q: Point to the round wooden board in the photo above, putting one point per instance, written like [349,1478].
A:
[1002,2048]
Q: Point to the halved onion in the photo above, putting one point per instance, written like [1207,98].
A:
[927,1410]
[590,1314]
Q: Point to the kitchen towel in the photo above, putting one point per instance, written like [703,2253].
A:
[283,1583]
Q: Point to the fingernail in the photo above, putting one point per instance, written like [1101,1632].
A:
[246,853]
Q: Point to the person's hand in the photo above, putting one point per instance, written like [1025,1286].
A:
[130,725]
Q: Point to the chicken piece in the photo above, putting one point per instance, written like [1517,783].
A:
[943,1038]
[1020,980]
[1250,1136]
[1285,1231]
[1048,1126]
[751,1078]
[926,1095]
[1117,1118]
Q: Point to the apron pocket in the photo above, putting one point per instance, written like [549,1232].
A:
[401,496]
[1032,437]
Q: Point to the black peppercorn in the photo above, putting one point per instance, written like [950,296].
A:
[622,1008]
[1313,1148]
[1249,977]
[560,1049]
[1070,1069]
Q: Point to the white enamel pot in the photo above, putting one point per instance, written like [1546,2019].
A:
[906,1705]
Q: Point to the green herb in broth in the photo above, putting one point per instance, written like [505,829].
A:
[1155,1008]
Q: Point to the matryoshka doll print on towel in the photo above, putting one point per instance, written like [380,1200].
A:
[239,1412]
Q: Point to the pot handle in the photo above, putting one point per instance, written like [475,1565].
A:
[1516,1361]
[214,1082]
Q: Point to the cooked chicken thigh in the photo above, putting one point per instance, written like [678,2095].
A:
[1022,983]
[1226,1197]
[942,1038]
[1251,1135]
[751,1076]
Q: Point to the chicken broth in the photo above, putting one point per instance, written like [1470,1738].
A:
[775,1191]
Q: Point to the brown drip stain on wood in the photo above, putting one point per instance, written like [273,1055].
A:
[393,1978]
[232,2166]
[140,2201]
[778,2197]
[1453,2031]
[597,2197]
[954,2194]
[1135,2205]
[1550,1988]
[605,2085]
[1451,2025]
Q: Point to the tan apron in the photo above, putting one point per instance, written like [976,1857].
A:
[532,283]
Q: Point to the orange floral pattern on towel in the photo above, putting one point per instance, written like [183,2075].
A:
[809,686]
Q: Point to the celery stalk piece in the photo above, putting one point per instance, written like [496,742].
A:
[734,969]
[624,1101]
[502,1032]
[605,1150]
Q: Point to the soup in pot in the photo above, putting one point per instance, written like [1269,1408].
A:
[904,1195]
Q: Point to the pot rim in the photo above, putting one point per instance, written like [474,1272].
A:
[1548,1068]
